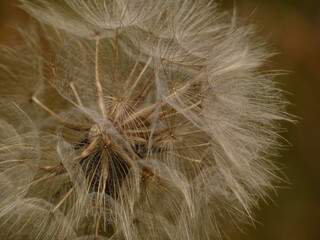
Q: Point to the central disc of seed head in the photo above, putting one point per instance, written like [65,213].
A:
[104,165]
[107,152]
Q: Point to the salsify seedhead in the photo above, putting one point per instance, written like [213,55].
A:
[135,119]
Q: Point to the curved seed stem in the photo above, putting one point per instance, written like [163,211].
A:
[97,81]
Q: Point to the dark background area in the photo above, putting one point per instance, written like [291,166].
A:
[293,28]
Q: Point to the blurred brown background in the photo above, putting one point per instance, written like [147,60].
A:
[293,27]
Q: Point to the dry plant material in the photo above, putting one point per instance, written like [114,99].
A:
[135,119]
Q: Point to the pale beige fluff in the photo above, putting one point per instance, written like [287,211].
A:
[165,127]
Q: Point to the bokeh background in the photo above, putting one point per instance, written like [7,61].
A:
[293,28]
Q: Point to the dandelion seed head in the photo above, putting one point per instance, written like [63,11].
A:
[165,130]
